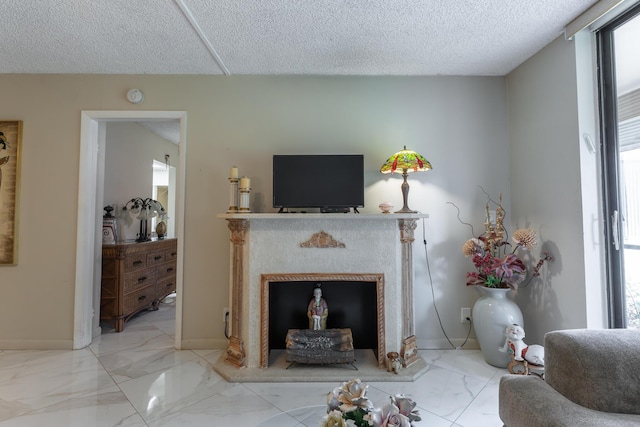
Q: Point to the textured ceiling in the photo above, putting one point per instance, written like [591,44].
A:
[320,37]
[167,129]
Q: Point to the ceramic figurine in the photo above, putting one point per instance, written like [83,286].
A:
[317,311]
[394,363]
[514,343]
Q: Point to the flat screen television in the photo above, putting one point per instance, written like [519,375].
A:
[333,183]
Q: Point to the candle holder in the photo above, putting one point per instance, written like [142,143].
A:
[245,192]
[233,195]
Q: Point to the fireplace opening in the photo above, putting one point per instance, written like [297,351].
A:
[351,305]
[355,301]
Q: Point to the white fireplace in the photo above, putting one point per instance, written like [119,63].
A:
[307,247]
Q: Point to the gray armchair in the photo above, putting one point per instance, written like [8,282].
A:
[592,378]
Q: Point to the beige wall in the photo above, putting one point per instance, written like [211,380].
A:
[458,123]
[552,176]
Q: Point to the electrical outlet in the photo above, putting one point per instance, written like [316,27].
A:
[225,314]
[465,313]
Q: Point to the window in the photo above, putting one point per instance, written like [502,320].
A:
[619,73]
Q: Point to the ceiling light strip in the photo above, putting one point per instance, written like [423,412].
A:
[187,13]
[589,16]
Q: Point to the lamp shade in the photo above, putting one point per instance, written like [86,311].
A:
[405,161]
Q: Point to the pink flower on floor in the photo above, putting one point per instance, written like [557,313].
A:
[348,406]
[334,419]
[406,406]
[388,416]
[352,395]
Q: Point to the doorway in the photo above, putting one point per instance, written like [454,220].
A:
[164,192]
[90,203]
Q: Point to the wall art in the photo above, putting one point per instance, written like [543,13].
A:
[10,147]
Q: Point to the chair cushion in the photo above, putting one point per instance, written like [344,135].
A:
[529,401]
[598,369]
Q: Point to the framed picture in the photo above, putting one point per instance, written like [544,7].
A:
[10,147]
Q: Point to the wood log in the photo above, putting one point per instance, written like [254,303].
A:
[320,347]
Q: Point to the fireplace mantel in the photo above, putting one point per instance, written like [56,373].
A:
[310,243]
[323,216]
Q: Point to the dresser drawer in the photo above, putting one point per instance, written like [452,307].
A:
[168,269]
[155,258]
[165,287]
[171,254]
[139,279]
[139,299]
[135,262]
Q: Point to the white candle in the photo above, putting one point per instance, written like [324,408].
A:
[245,182]
[234,172]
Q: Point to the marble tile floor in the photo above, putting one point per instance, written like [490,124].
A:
[136,378]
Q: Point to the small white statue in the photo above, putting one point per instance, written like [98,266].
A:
[533,354]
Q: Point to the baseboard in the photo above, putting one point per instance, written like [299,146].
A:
[213,344]
[97,331]
[36,344]
[443,344]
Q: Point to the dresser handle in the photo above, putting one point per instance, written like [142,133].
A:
[169,285]
[142,298]
[157,257]
[142,279]
[174,253]
[169,270]
[137,262]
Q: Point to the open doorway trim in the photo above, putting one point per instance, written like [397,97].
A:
[87,231]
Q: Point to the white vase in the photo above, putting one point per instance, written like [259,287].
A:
[492,313]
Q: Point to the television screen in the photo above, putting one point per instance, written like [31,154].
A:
[318,181]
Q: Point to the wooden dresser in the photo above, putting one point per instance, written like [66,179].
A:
[135,277]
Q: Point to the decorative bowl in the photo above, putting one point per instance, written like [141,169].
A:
[385,207]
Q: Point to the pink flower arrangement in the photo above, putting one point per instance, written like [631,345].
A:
[496,260]
[348,406]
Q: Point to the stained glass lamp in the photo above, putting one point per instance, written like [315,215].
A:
[403,162]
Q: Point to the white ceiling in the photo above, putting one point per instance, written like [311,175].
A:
[167,129]
[318,37]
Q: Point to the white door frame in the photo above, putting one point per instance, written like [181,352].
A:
[88,255]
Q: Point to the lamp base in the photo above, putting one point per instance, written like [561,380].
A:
[405,210]
[405,194]
[142,236]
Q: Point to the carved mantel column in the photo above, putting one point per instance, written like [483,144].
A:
[409,350]
[235,348]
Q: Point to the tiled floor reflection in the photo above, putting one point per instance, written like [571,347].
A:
[136,378]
